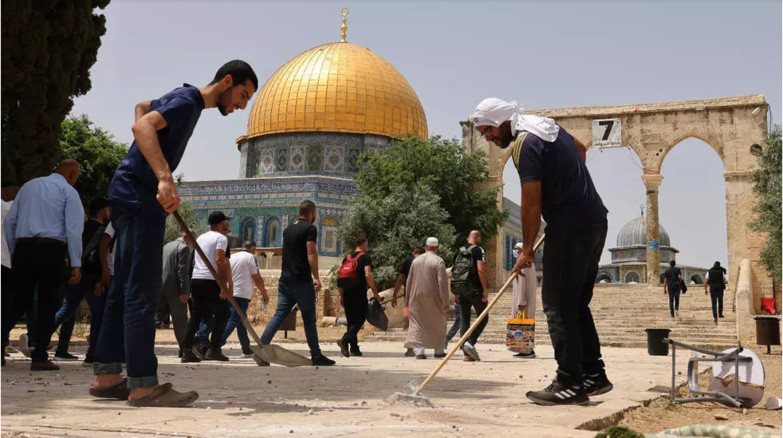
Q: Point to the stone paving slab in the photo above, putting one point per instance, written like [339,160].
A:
[240,399]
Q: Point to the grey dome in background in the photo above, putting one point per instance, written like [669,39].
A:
[635,233]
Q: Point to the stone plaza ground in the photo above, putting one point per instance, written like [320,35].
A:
[241,399]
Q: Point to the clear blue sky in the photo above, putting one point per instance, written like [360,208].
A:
[542,54]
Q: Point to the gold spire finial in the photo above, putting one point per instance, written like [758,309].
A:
[344,27]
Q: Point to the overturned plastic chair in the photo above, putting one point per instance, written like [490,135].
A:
[737,376]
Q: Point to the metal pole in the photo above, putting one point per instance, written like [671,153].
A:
[674,388]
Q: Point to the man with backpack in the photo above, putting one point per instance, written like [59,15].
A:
[89,287]
[672,284]
[556,184]
[469,284]
[353,277]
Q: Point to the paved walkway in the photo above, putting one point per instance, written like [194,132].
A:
[240,399]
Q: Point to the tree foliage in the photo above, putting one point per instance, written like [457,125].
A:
[417,189]
[97,152]
[196,224]
[767,185]
[49,47]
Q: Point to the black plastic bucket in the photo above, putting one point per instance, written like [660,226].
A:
[655,344]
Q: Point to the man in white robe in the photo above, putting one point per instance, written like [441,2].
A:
[428,301]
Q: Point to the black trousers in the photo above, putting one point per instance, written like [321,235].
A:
[35,266]
[674,301]
[570,267]
[355,305]
[205,295]
[716,296]
[465,304]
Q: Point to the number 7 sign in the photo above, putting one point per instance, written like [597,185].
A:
[607,133]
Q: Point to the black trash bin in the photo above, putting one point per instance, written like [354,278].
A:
[655,344]
[767,331]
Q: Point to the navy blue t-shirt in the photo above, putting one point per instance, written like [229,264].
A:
[134,183]
[568,197]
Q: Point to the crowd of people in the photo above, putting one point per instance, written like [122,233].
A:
[116,260]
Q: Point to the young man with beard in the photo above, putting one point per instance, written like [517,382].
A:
[299,281]
[556,184]
[141,193]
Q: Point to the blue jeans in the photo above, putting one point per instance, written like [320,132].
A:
[73,297]
[290,292]
[454,328]
[128,330]
[674,301]
[235,322]
[204,329]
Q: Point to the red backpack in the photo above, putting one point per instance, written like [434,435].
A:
[348,275]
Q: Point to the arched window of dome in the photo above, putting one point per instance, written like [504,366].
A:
[603,277]
[272,233]
[697,279]
[632,277]
[248,229]
[329,244]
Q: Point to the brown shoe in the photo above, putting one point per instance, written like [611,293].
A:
[44,366]
[164,396]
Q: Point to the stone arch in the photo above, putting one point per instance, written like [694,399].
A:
[632,276]
[603,276]
[247,229]
[272,233]
[697,279]
[730,125]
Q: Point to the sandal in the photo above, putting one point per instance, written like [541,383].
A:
[119,391]
[164,396]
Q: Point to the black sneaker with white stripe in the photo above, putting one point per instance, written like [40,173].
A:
[559,394]
[597,384]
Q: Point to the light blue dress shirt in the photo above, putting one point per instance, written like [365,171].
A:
[47,207]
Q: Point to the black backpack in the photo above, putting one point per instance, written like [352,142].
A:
[463,272]
[91,257]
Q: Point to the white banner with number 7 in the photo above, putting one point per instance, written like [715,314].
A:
[607,133]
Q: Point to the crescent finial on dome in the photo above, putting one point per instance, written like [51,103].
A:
[344,27]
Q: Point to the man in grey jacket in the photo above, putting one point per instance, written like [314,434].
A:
[177,257]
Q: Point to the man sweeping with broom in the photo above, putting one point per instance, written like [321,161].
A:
[141,193]
[556,183]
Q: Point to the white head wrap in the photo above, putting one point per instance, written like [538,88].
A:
[432,242]
[493,112]
[519,246]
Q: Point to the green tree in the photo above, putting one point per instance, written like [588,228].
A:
[49,47]
[417,189]
[196,223]
[394,225]
[767,185]
[97,152]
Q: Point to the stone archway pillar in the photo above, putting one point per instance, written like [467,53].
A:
[652,182]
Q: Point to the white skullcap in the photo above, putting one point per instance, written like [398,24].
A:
[519,245]
[432,241]
[493,112]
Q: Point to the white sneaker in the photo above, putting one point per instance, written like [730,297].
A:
[24,346]
[470,351]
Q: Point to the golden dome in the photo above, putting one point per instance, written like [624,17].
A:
[337,87]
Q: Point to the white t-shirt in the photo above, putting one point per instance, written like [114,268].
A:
[109,231]
[6,255]
[243,266]
[209,242]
